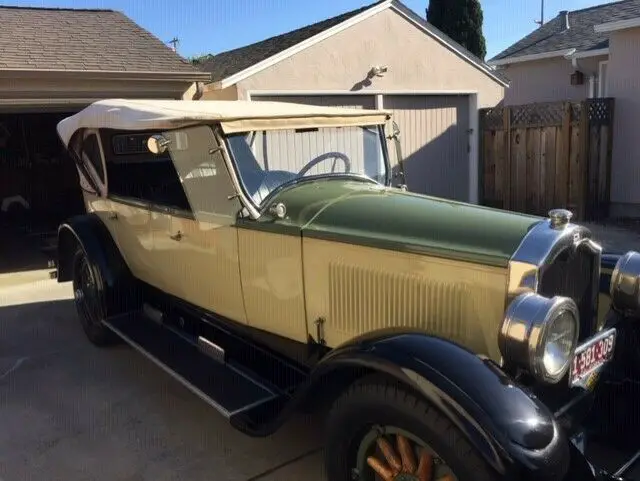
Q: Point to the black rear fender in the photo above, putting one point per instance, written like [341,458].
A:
[87,231]
[515,433]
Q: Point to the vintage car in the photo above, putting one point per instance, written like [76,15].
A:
[258,252]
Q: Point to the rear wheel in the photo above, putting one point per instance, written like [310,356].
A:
[380,431]
[88,292]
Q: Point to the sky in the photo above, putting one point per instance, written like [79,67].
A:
[213,26]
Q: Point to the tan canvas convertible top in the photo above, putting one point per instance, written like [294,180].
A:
[233,115]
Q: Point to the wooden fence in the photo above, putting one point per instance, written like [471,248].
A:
[538,157]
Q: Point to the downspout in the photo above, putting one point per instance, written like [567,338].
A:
[199,91]
[575,63]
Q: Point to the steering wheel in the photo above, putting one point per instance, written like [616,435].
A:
[328,155]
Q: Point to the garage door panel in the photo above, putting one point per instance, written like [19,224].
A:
[434,140]
[277,147]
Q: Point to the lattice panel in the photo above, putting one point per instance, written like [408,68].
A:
[542,114]
[600,111]
[493,119]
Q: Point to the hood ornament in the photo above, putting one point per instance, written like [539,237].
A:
[560,218]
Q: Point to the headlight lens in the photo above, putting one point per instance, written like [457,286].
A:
[540,334]
[625,284]
[559,344]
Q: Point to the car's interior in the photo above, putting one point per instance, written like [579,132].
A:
[134,172]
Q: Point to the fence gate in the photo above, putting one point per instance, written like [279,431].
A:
[537,157]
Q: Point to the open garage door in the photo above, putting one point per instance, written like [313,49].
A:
[38,188]
[435,142]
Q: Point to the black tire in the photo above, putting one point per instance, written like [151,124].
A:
[89,300]
[377,400]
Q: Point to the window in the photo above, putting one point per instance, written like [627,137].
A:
[91,154]
[266,160]
[203,173]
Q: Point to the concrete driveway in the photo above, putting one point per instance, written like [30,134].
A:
[73,412]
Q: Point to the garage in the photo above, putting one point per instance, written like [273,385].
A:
[380,56]
[68,59]
[435,151]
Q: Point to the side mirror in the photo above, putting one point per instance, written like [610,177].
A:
[396,130]
[158,144]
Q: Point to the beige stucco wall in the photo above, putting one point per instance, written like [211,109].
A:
[230,93]
[548,80]
[416,62]
[624,86]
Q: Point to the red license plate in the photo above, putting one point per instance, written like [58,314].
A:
[592,355]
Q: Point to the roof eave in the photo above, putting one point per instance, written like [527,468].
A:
[254,69]
[617,25]
[419,22]
[106,75]
[532,57]
[289,52]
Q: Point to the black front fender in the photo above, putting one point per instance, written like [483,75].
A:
[515,433]
[90,234]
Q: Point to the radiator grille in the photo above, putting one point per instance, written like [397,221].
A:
[574,274]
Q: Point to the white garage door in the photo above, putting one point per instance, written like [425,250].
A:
[349,101]
[435,142]
[275,147]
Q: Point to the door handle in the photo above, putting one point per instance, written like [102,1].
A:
[176,237]
[113,215]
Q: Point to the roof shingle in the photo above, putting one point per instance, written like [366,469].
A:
[81,39]
[581,35]
[226,64]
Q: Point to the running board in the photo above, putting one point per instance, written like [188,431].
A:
[627,466]
[198,364]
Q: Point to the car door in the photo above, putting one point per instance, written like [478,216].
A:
[124,213]
[126,218]
[198,249]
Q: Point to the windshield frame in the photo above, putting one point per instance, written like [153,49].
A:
[263,206]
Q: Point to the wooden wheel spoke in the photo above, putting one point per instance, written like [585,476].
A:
[404,461]
[425,467]
[406,454]
[379,467]
[390,455]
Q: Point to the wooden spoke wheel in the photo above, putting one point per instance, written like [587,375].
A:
[381,430]
[392,454]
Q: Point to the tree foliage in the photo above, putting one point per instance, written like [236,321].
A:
[462,21]
[198,59]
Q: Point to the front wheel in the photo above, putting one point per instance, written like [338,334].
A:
[380,431]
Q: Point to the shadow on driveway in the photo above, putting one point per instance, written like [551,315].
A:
[71,411]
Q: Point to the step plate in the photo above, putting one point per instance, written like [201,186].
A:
[220,385]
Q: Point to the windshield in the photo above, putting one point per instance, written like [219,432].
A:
[266,160]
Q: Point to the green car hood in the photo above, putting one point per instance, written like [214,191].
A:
[389,218]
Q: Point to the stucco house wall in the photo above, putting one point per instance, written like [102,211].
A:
[624,85]
[548,80]
[416,62]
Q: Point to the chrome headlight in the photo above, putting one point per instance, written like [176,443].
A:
[625,284]
[540,335]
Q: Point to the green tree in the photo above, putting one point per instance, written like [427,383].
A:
[462,21]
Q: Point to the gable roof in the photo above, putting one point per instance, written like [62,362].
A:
[231,66]
[65,39]
[554,37]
